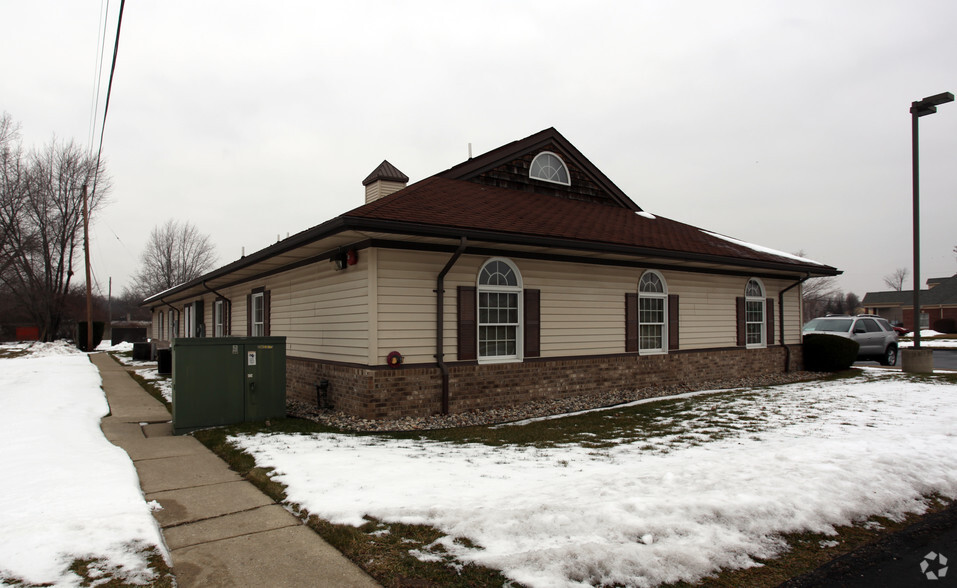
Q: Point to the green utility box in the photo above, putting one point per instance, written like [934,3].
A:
[227,380]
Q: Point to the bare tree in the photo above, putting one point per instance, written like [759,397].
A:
[41,216]
[817,294]
[175,253]
[895,281]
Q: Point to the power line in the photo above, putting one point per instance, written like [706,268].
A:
[98,67]
[109,90]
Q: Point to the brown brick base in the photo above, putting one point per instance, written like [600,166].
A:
[375,393]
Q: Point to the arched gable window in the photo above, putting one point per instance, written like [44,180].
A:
[499,311]
[549,167]
[652,313]
[754,313]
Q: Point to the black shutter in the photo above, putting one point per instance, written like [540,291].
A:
[249,315]
[672,321]
[742,325]
[631,322]
[769,310]
[227,317]
[266,312]
[200,319]
[467,333]
[532,327]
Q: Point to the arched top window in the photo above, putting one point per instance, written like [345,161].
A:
[499,311]
[651,283]
[550,168]
[754,313]
[652,313]
[498,272]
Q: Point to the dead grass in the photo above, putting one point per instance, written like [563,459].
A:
[99,572]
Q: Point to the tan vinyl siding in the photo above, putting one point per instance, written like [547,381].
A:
[323,313]
[707,312]
[582,306]
[406,303]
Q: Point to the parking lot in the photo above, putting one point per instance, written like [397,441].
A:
[944,359]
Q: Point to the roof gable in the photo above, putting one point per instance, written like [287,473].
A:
[508,167]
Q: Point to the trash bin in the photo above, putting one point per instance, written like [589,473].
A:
[164,362]
[227,380]
[142,351]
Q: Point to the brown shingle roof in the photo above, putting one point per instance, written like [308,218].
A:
[443,202]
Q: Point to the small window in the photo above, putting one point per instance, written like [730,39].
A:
[160,326]
[550,168]
[754,313]
[652,313]
[219,318]
[258,315]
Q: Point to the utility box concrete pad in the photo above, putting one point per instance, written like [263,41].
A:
[227,380]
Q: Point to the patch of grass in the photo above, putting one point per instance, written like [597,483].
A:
[382,550]
[99,572]
[12,353]
[151,387]
[808,551]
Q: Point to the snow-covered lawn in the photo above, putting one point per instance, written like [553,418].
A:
[706,482]
[68,493]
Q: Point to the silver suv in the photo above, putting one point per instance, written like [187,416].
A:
[877,338]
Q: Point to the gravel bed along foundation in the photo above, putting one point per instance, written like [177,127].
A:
[540,408]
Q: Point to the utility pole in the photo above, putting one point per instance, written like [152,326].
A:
[89,287]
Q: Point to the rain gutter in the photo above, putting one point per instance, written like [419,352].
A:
[787,348]
[440,323]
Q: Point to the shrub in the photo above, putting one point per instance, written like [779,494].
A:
[829,353]
[81,334]
[945,325]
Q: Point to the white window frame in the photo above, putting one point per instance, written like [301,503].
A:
[219,316]
[496,289]
[564,167]
[190,317]
[259,326]
[650,296]
[751,303]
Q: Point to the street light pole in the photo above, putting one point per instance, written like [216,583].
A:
[918,109]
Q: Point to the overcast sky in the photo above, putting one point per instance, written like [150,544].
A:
[781,123]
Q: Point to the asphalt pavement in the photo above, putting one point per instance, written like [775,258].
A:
[944,359]
[920,555]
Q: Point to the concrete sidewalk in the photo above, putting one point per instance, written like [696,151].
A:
[220,529]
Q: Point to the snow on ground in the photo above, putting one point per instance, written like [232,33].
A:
[69,493]
[930,342]
[711,488]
